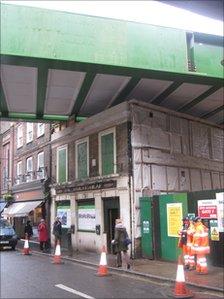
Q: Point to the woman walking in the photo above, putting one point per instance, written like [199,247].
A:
[120,243]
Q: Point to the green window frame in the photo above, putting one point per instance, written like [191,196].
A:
[62,168]
[82,158]
[107,152]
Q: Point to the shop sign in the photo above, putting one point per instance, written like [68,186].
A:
[207,209]
[214,231]
[174,218]
[86,187]
[86,217]
[220,208]
[145,225]
[64,213]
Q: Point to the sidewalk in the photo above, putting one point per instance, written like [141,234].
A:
[161,270]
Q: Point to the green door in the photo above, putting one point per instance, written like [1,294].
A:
[146,227]
[172,208]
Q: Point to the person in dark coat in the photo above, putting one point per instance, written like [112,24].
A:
[120,246]
[57,230]
[28,229]
[43,235]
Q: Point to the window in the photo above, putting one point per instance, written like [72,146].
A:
[19,172]
[29,132]
[40,166]
[19,136]
[82,158]
[62,164]
[40,129]
[29,169]
[86,215]
[107,152]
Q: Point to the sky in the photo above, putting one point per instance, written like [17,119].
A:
[151,12]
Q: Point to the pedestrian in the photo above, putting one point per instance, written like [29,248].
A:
[120,244]
[183,241]
[57,231]
[43,235]
[190,234]
[200,245]
[28,230]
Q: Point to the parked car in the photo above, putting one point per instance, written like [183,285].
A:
[8,236]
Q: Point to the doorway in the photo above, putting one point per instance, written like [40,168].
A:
[111,213]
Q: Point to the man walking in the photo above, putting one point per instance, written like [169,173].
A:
[57,231]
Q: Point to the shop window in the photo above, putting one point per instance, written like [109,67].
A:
[82,158]
[19,136]
[29,132]
[107,148]
[62,164]
[40,129]
[40,166]
[86,215]
[64,213]
[29,169]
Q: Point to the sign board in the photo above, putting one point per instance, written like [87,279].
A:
[220,208]
[64,213]
[214,231]
[86,217]
[174,218]
[207,209]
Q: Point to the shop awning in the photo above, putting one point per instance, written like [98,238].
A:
[21,209]
[2,205]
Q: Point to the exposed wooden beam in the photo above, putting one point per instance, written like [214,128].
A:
[211,113]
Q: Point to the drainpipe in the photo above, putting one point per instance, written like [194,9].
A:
[130,186]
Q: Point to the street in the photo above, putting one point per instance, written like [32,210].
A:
[36,277]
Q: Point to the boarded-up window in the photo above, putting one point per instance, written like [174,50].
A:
[215,180]
[206,180]
[62,164]
[82,159]
[107,153]
[196,180]
[159,178]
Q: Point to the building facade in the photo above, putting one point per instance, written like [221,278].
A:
[103,165]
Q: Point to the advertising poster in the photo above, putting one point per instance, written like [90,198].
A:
[64,214]
[207,209]
[86,217]
[214,231]
[174,218]
[220,208]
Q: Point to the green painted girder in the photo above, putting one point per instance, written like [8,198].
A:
[40,33]
[3,105]
[200,98]
[167,92]
[41,89]
[217,110]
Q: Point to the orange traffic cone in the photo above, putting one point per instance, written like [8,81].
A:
[57,254]
[26,248]
[180,288]
[103,271]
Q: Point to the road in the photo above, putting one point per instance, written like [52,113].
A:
[36,277]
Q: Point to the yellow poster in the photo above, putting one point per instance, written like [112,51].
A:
[174,218]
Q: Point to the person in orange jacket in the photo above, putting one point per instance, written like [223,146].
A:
[190,233]
[200,245]
[183,241]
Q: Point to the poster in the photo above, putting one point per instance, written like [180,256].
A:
[214,231]
[64,214]
[86,217]
[207,208]
[174,218]
[220,208]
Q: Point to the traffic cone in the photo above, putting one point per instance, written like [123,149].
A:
[180,288]
[26,248]
[103,271]
[57,254]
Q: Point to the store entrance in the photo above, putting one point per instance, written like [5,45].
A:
[111,213]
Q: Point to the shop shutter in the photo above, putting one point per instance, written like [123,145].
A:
[107,149]
[82,160]
[62,165]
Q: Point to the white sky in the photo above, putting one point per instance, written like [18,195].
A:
[151,12]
